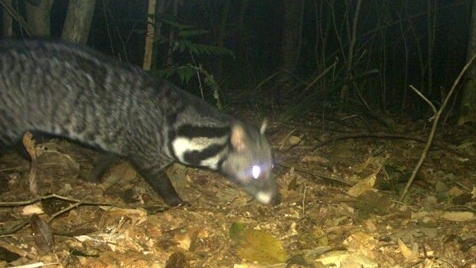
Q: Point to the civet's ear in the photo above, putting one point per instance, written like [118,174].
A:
[238,137]
[263,126]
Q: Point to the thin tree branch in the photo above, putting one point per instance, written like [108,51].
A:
[433,128]
[14,14]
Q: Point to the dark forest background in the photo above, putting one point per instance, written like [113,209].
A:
[292,57]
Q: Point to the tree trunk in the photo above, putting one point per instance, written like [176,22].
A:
[292,34]
[467,109]
[78,20]
[150,35]
[7,21]
[170,59]
[38,17]
[222,34]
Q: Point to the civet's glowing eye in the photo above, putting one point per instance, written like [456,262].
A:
[256,171]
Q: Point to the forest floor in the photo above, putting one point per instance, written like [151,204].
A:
[340,184]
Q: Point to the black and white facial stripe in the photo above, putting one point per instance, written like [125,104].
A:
[200,146]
